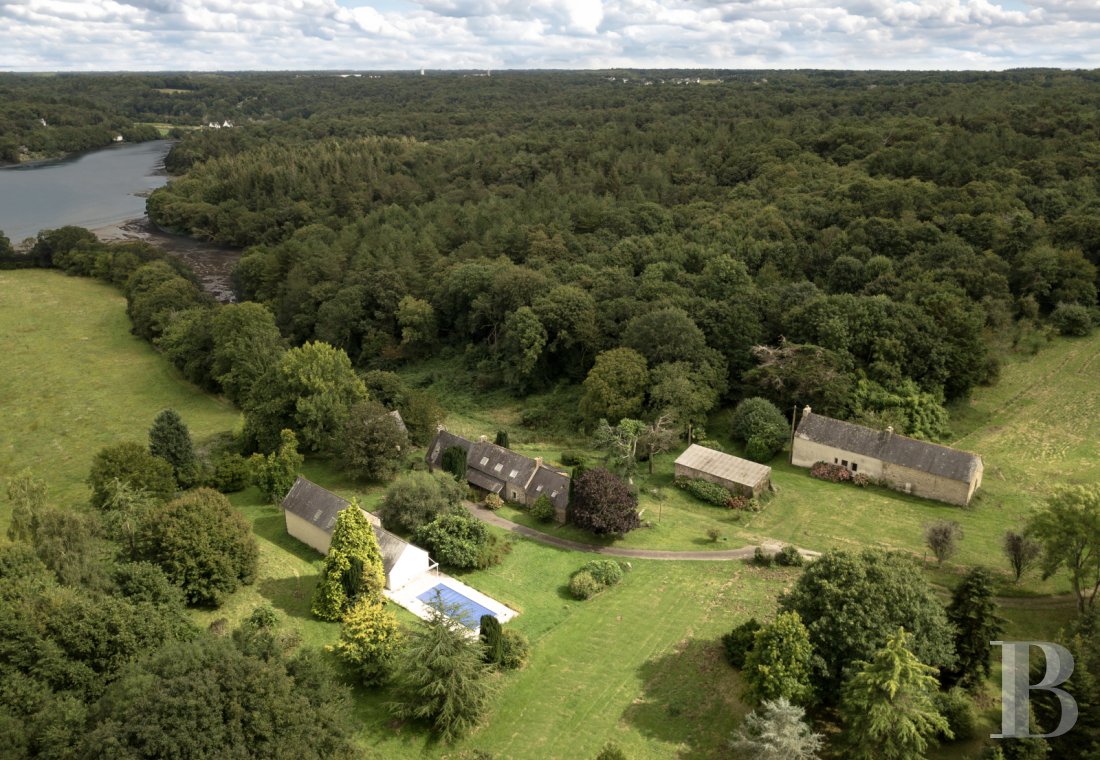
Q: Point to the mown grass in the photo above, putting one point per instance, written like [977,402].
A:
[641,663]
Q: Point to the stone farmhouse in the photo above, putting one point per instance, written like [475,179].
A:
[738,475]
[916,467]
[310,513]
[512,476]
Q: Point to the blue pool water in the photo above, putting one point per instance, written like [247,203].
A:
[469,611]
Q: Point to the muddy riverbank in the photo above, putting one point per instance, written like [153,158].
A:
[212,263]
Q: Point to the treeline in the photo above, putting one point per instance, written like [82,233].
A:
[856,242]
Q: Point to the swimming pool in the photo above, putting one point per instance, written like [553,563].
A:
[469,611]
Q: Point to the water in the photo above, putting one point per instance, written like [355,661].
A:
[91,190]
[105,190]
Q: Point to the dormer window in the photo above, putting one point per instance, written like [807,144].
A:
[484,461]
[513,473]
[499,467]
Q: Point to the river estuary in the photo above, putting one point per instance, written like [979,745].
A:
[105,190]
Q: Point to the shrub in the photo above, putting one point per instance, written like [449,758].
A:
[492,640]
[493,551]
[454,539]
[572,458]
[583,586]
[232,473]
[739,642]
[704,490]
[957,706]
[714,534]
[516,649]
[1072,319]
[605,572]
[834,473]
[861,479]
[543,510]
[493,502]
[611,751]
[369,638]
[132,464]
[763,447]
[744,504]
[762,558]
[502,439]
[789,556]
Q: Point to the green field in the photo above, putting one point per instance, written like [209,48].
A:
[640,663]
[73,380]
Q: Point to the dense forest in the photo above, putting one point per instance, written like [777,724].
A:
[856,241]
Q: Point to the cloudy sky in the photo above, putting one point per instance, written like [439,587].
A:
[449,34]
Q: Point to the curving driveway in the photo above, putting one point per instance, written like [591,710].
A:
[745,552]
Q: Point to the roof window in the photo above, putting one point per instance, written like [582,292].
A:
[484,461]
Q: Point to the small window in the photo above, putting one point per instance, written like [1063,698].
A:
[513,473]
[499,467]
[538,489]
[855,467]
[484,461]
[553,494]
[317,516]
[844,462]
[836,461]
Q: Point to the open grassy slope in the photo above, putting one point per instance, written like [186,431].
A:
[73,379]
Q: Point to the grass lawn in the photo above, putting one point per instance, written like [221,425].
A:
[73,380]
[641,663]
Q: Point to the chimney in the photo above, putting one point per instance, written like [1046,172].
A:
[889,430]
[538,462]
[806,410]
[483,439]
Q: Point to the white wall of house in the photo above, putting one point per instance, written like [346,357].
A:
[412,563]
[307,532]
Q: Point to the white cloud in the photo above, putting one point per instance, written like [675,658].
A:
[318,34]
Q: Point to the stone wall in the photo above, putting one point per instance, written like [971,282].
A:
[689,473]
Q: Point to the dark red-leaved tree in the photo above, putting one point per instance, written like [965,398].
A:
[604,504]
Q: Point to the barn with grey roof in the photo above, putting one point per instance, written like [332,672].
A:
[740,476]
[916,467]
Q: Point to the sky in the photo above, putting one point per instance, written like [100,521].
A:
[156,35]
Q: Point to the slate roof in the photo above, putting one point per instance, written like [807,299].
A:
[400,422]
[443,441]
[314,504]
[932,458]
[500,463]
[481,480]
[552,483]
[725,466]
[321,506]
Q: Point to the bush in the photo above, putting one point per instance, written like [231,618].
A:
[834,473]
[957,706]
[704,490]
[1072,319]
[763,447]
[516,649]
[861,479]
[132,464]
[543,510]
[789,556]
[454,539]
[583,586]
[744,504]
[492,640]
[493,502]
[606,572]
[611,751]
[739,642]
[762,558]
[493,551]
[572,458]
[232,473]
[714,534]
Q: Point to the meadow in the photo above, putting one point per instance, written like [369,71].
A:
[641,663]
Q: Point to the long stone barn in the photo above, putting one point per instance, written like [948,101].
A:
[740,476]
[916,467]
[310,513]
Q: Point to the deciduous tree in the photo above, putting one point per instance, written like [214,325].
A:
[373,442]
[942,537]
[604,504]
[130,463]
[778,665]
[616,385]
[1022,552]
[417,498]
[275,473]
[1068,528]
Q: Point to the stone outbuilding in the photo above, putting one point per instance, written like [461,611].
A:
[923,469]
[740,476]
[310,512]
